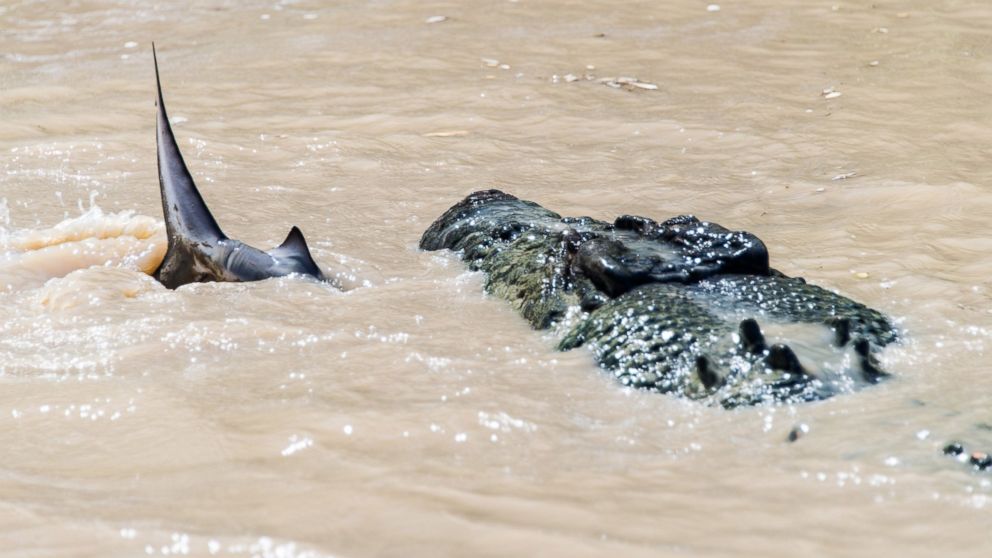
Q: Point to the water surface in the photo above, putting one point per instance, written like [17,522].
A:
[410,415]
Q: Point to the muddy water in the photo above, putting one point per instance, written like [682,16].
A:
[412,416]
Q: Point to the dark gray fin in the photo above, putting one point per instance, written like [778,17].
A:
[752,339]
[782,357]
[186,215]
[295,248]
[870,369]
[704,370]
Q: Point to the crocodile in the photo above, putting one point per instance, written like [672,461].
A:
[683,306]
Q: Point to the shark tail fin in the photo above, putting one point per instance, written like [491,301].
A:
[295,247]
[186,214]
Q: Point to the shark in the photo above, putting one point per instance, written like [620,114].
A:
[198,250]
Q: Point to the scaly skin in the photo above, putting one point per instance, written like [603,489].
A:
[674,307]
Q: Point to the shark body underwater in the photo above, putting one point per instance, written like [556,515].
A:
[684,306]
[198,250]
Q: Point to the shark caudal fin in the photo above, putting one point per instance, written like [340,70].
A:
[186,215]
[295,248]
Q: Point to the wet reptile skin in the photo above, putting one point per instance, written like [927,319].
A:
[683,306]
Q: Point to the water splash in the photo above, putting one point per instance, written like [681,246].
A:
[29,257]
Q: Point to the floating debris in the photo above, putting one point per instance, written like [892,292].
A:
[628,83]
[882,30]
[491,62]
[873,63]
[862,275]
[504,66]
[845,176]
[622,82]
[436,19]
[713,8]
[446,134]
[830,93]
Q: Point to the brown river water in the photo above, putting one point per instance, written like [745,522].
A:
[409,414]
